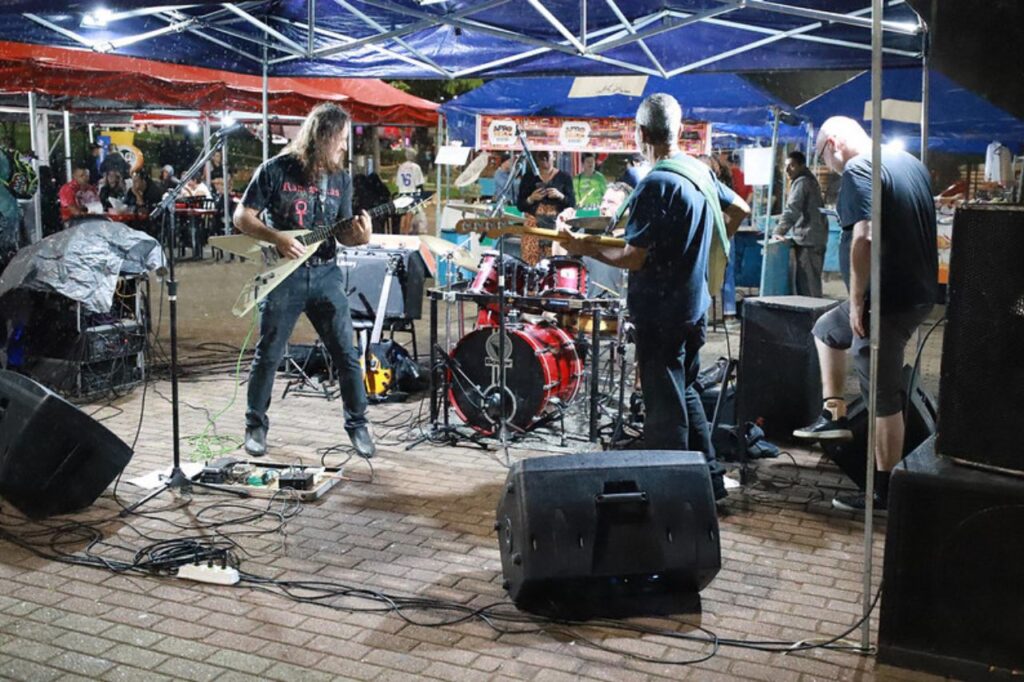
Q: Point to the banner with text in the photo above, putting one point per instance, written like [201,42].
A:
[554,133]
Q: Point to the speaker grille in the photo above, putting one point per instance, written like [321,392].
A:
[981,394]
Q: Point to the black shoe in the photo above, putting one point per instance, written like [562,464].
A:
[362,441]
[856,502]
[826,428]
[256,440]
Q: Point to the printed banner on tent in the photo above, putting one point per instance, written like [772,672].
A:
[553,133]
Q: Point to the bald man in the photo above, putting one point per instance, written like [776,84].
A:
[909,288]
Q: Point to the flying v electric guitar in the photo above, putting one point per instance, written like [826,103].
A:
[276,267]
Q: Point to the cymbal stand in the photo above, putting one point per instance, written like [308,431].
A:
[441,430]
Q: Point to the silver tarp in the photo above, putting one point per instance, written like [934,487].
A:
[83,262]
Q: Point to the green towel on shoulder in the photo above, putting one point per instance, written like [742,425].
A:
[696,172]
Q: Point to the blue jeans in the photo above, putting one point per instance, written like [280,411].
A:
[319,292]
[669,364]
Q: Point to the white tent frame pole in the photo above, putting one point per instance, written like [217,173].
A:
[265,105]
[875,314]
[925,100]
[348,41]
[632,31]
[206,148]
[768,202]
[437,193]
[67,145]
[33,131]
[267,29]
[375,25]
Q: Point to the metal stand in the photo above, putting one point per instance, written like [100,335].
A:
[441,429]
[301,383]
[178,480]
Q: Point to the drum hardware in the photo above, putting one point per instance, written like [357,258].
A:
[443,431]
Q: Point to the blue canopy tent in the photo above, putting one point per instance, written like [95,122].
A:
[730,102]
[480,38]
[958,119]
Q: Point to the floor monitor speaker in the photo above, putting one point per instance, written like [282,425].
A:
[54,458]
[580,534]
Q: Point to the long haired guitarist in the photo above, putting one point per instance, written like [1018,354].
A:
[302,187]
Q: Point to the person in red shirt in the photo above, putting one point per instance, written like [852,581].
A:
[739,184]
[76,194]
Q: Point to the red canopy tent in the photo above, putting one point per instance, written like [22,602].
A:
[81,73]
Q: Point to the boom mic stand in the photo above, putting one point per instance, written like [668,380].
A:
[178,480]
[499,207]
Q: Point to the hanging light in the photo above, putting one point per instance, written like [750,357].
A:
[193,127]
[98,18]
[896,144]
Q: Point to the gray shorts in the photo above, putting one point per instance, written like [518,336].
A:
[833,329]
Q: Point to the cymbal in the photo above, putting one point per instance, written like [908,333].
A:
[470,174]
[466,207]
[592,224]
[442,248]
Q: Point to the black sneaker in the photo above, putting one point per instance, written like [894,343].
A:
[826,428]
[856,502]
[256,440]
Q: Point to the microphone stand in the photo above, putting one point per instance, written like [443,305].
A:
[178,480]
[499,207]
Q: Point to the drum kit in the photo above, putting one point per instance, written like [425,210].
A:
[546,320]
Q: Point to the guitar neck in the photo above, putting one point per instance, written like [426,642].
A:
[556,236]
[496,227]
[339,227]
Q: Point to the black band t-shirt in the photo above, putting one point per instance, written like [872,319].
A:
[290,201]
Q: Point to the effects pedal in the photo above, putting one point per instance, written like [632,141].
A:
[296,479]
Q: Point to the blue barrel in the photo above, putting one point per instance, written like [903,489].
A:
[442,265]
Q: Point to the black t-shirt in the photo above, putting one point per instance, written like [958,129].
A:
[910,259]
[670,218]
[561,181]
[291,202]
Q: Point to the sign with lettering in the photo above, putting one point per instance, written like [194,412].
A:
[601,135]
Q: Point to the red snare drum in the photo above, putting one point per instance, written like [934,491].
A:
[486,280]
[564,277]
[542,366]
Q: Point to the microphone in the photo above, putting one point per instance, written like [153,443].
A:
[232,129]
[521,134]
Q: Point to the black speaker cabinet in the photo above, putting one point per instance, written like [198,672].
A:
[953,601]
[919,419]
[364,271]
[779,376]
[54,458]
[579,532]
[981,396]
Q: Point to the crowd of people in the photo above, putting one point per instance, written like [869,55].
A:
[105,185]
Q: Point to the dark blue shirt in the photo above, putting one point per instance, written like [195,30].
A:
[910,259]
[671,219]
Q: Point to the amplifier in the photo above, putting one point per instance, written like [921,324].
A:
[364,270]
[106,341]
[84,380]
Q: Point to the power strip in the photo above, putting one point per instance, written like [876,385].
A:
[204,573]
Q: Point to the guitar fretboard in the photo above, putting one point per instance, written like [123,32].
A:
[318,234]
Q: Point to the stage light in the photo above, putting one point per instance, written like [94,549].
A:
[98,18]
[193,127]
[227,121]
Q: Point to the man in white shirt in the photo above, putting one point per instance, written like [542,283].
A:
[409,177]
